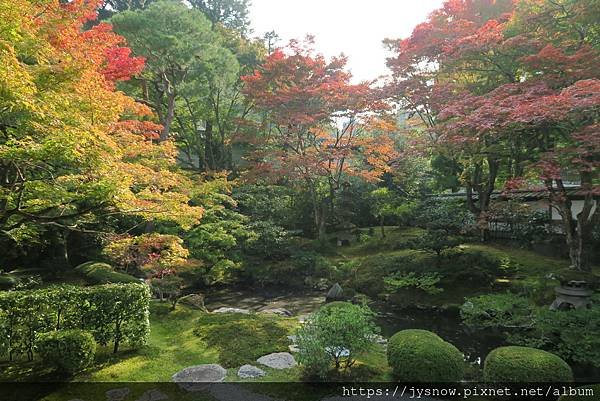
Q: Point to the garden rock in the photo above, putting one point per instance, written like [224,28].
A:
[293,348]
[293,338]
[117,394]
[195,301]
[153,395]
[209,373]
[278,360]
[335,293]
[231,310]
[250,372]
[277,311]
[379,339]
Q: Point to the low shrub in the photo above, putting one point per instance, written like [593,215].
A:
[497,311]
[103,273]
[70,351]
[116,313]
[523,364]
[334,336]
[573,335]
[422,356]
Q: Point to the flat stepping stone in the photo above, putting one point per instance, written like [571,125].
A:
[231,310]
[278,360]
[189,378]
[117,394]
[250,372]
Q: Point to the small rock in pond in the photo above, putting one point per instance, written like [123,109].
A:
[250,372]
[278,360]
[231,310]
[277,311]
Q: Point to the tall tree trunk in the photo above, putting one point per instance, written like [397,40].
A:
[208,146]
[170,115]
[578,229]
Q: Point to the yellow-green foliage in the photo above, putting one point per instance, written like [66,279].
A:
[523,364]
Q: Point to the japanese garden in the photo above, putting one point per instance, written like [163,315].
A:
[184,200]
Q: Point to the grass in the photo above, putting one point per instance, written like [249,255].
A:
[171,347]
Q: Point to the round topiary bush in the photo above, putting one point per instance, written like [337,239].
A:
[70,351]
[422,356]
[524,364]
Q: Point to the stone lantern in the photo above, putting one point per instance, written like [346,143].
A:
[572,295]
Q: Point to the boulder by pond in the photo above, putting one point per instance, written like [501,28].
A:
[250,372]
[278,360]
[231,310]
[209,373]
[335,293]
[195,301]
[277,311]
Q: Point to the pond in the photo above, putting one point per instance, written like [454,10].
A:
[475,344]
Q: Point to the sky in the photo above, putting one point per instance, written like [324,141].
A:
[353,27]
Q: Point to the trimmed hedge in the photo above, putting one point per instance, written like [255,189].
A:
[524,364]
[103,273]
[113,313]
[422,356]
[70,351]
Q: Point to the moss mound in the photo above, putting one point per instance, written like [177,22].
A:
[242,339]
[523,364]
[422,356]
[103,273]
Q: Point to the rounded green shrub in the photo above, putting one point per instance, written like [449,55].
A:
[103,273]
[70,351]
[524,364]
[422,356]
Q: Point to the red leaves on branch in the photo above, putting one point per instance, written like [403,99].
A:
[322,125]
[120,66]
